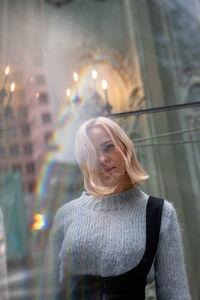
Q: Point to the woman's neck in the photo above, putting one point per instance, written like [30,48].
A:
[124,185]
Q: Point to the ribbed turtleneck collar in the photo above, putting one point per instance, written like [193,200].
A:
[111,202]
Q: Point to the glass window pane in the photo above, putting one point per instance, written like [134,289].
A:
[63,62]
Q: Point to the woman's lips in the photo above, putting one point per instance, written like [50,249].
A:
[109,170]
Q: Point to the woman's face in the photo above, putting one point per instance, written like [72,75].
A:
[111,165]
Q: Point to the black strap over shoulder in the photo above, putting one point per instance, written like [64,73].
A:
[153,223]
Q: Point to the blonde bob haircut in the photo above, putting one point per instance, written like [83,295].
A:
[87,157]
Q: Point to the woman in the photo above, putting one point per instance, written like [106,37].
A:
[114,239]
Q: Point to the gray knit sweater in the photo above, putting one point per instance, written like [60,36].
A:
[107,237]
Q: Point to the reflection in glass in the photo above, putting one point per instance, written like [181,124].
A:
[3,261]
[142,49]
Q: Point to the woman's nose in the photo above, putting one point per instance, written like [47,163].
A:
[103,159]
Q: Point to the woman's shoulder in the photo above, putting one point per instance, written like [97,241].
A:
[67,207]
[168,209]
[63,211]
[169,215]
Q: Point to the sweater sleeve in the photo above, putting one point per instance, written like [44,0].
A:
[51,287]
[170,274]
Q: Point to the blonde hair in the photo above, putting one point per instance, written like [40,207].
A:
[87,157]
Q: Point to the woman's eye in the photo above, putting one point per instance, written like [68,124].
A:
[108,147]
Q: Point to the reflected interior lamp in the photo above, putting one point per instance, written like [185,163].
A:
[75,76]
[12,87]
[7,70]
[68,92]
[107,107]
[94,74]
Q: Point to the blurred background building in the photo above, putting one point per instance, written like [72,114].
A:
[26,122]
[137,61]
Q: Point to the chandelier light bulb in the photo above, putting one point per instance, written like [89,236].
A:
[12,87]
[7,70]
[75,76]
[104,84]
[94,74]
[68,92]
